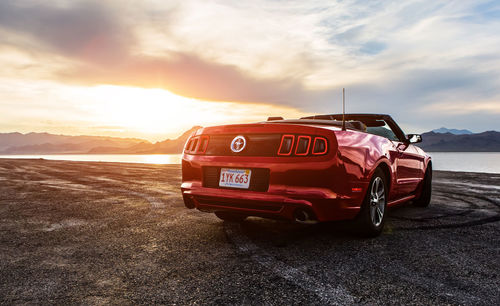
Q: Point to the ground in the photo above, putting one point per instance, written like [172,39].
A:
[112,233]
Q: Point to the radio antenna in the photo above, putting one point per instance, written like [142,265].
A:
[343,109]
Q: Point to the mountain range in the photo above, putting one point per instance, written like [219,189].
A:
[44,143]
[440,140]
[444,130]
[447,142]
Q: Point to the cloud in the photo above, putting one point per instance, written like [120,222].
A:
[103,46]
[189,75]
[465,108]
[86,30]
[395,57]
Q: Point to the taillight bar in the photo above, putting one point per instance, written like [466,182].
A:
[317,146]
[197,145]
[202,145]
[304,146]
[300,141]
[286,145]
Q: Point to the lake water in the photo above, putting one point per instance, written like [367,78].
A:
[488,162]
[451,161]
[160,159]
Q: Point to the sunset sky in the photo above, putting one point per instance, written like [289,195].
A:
[153,69]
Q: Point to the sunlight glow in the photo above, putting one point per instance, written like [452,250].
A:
[106,110]
[153,114]
[158,111]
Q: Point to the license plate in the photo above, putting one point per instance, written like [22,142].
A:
[235,178]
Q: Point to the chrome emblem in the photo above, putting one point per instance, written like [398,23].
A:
[238,144]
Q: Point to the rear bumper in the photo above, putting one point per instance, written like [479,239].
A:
[317,184]
[278,202]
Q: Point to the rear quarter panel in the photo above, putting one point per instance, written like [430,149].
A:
[361,153]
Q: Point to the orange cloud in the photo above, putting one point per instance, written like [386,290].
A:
[190,76]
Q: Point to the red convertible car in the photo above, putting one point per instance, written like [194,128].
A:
[312,169]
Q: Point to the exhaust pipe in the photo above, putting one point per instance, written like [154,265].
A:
[304,216]
[188,201]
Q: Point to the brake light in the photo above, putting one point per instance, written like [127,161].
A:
[286,145]
[304,146]
[194,145]
[187,148]
[303,143]
[197,145]
[202,147]
[320,146]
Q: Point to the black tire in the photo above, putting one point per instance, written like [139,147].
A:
[425,197]
[371,219]
[230,216]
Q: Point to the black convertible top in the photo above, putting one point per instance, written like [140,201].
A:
[353,121]
[350,117]
[354,125]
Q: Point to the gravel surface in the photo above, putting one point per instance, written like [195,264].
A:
[114,233]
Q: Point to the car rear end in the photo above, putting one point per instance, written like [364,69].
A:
[274,170]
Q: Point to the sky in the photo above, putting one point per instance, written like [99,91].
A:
[154,68]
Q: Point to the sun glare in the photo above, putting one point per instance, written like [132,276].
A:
[160,112]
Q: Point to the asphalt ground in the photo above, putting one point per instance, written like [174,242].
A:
[114,233]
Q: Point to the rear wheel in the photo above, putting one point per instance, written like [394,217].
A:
[230,216]
[425,197]
[371,218]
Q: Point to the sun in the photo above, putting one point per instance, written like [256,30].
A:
[145,110]
[156,113]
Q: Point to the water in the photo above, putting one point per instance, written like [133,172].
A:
[161,159]
[486,162]
[451,161]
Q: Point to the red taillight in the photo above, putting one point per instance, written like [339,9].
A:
[286,145]
[202,147]
[320,146]
[303,143]
[302,146]
[187,148]
[194,145]
[197,145]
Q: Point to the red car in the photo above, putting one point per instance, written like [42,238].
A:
[313,169]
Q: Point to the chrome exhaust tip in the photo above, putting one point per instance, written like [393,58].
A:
[304,216]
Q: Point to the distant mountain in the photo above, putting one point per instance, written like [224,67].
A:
[169,146]
[444,130]
[45,143]
[481,142]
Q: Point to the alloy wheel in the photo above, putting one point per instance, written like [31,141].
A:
[377,201]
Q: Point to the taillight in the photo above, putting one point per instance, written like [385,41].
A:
[320,146]
[197,145]
[187,148]
[304,146]
[202,147]
[194,145]
[303,143]
[286,145]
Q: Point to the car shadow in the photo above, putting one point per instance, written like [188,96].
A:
[284,233]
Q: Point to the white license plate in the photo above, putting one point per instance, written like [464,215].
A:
[235,178]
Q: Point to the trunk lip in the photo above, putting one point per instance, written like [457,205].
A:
[265,128]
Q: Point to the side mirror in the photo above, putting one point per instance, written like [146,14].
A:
[414,138]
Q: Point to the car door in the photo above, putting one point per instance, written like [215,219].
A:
[407,161]
[408,168]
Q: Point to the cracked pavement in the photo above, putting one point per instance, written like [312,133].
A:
[116,233]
